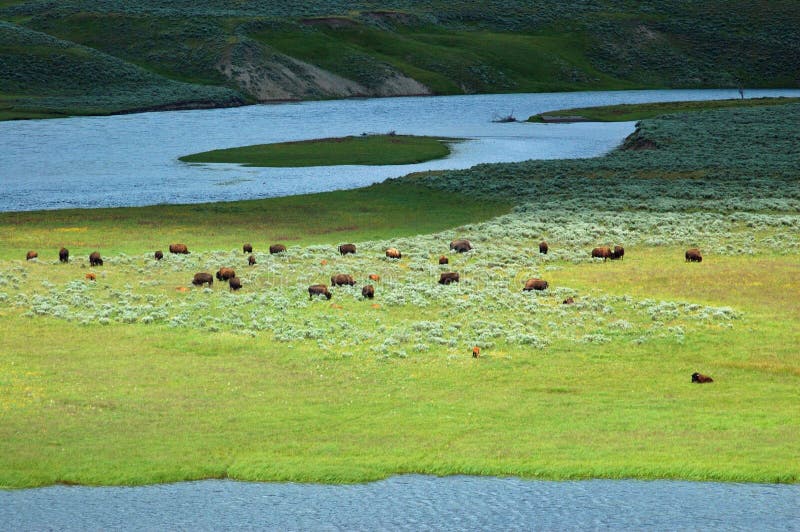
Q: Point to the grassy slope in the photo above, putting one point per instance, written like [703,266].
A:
[369,150]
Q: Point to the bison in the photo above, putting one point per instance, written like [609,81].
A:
[693,255]
[569,301]
[461,245]
[368,291]
[374,277]
[448,277]
[277,248]
[202,278]
[699,378]
[251,260]
[178,249]
[602,252]
[95,259]
[535,284]
[344,249]
[90,277]
[31,255]
[318,289]
[247,248]
[476,352]
[342,279]
[159,255]
[63,255]
[225,274]
[444,260]
[617,253]
[543,247]
[234,283]
[393,253]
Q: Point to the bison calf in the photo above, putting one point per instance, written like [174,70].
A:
[247,248]
[63,255]
[602,252]
[90,277]
[393,253]
[277,248]
[693,255]
[159,255]
[543,247]
[461,245]
[374,277]
[476,352]
[342,279]
[203,278]
[368,291]
[448,277]
[699,378]
[569,301]
[225,274]
[31,255]
[344,249]
[178,249]
[444,260]
[95,259]
[234,283]
[318,289]
[535,284]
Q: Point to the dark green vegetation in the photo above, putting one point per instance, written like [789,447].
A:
[138,378]
[366,149]
[639,111]
[158,54]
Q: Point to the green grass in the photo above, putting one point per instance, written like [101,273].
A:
[362,150]
[640,111]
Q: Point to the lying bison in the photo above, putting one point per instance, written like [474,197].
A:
[393,253]
[178,249]
[31,255]
[203,278]
[448,277]
[159,255]
[699,378]
[368,291]
[617,253]
[535,284]
[569,301]
[63,255]
[225,274]
[543,247]
[317,290]
[444,260]
[234,283]
[251,260]
[341,279]
[461,245]
[95,259]
[344,249]
[278,248]
[247,248]
[602,252]
[694,255]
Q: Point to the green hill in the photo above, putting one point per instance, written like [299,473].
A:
[154,53]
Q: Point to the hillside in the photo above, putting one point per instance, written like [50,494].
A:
[156,54]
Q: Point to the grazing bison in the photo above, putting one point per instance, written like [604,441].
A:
[90,277]
[535,284]
[344,249]
[699,378]
[461,245]
[31,255]
[202,278]
[247,248]
[318,289]
[178,249]
[63,255]
[602,252]
[95,259]
[374,277]
[543,247]
[251,260]
[225,274]
[393,253]
[278,248]
[368,291]
[476,352]
[342,279]
[617,253]
[444,260]
[159,255]
[448,277]
[569,301]
[234,283]
[693,255]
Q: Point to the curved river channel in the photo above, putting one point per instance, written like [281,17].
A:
[126,160]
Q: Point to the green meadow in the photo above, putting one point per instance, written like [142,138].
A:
[138,377]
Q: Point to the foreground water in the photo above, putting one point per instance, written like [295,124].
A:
[133,159]
[410,502]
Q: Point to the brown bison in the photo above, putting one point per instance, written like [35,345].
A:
[95,259]
[278,248]
[31,255]
[225,274]
[90,277]
[344,249]
[693,255]
[247,248]
[461,245]
[234,283]
[342,279]
[368,291]
[374,277]
[393,253]
[159,255]
[444,260]
[63,255]
[448,277]
[535,284]
[178,249]
[476,352]
[602,252]
[202,278]
[617,253]
[251,260]
[318,289]
[699,378]
[569,301]
[543,247]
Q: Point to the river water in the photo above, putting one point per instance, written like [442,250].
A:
[409,502]
[127,160]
